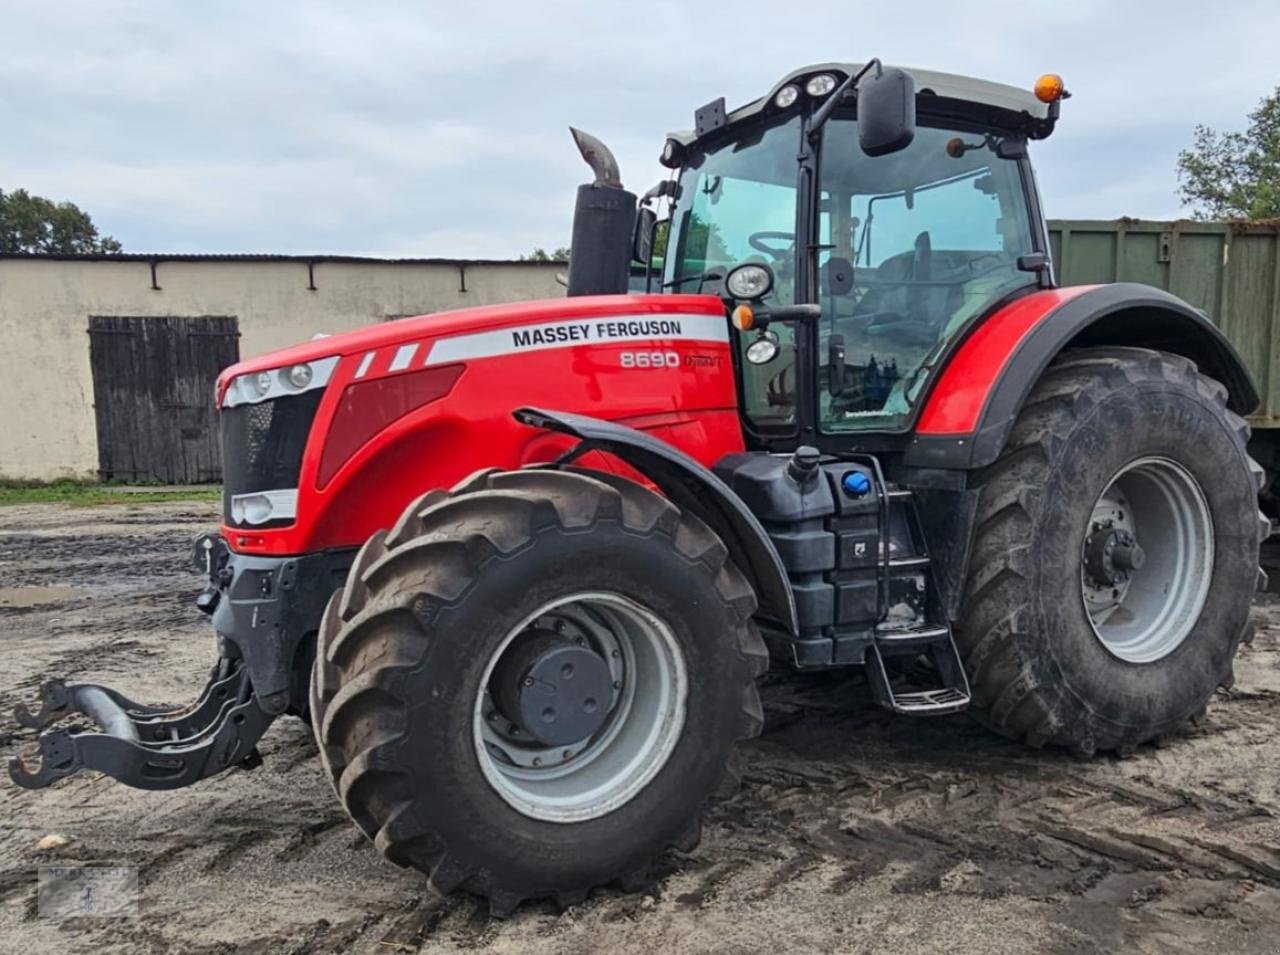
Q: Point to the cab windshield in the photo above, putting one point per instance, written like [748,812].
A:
[738,204]
[912,246]
[930,237]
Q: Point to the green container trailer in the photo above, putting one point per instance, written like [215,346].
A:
[1231,270]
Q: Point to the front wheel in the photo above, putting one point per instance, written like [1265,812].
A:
[533,685]
[1115,554]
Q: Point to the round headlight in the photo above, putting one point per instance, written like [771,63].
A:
[300,375]
[672,154]
[786,96]
[750,281]
[820,85]
[262,382]
[763,350]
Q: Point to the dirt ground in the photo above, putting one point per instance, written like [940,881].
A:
[854,831]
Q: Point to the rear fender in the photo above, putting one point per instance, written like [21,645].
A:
[693,489]
[971,409]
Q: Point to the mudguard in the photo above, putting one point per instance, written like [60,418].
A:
[694,489]
[975,400]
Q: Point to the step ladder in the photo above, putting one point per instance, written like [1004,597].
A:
[923,637]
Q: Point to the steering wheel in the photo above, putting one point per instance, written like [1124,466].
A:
[757,241]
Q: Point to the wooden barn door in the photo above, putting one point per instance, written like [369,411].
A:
[153,384]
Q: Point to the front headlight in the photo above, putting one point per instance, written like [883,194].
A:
[263,506]
[275,383]
[750,281]
[300,376]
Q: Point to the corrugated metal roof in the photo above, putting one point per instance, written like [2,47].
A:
[259,257]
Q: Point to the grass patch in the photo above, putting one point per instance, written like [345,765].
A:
[80,494]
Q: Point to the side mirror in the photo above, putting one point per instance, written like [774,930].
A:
[642,238]
[886,111]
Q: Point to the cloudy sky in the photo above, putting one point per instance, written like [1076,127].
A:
[438,128]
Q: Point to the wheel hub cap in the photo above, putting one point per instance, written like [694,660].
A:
[580,706]
[1147,559]
[1111,555]
[555,690]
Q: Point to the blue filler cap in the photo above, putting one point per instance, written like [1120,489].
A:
[856,483]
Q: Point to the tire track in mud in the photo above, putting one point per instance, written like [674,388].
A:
[854,830]
[954,810]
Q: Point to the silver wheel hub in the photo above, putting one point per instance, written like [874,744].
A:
[1147,559]
[632,715]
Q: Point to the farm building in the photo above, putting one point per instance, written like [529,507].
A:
[109,361]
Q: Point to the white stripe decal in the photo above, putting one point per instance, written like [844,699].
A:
[404,355]
[603,330]
[365,362]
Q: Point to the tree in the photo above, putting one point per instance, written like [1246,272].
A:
[34,224]
[1235,175]
[542,255]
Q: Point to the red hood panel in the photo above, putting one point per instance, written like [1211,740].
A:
[477,318]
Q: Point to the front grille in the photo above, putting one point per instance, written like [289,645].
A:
[262,445]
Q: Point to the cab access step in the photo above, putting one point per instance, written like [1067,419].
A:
[859,568]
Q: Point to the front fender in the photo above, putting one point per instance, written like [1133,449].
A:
[968,414]
[694,489]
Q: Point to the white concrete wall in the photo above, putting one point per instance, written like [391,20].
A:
[47,426]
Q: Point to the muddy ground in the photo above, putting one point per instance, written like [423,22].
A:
[855,830]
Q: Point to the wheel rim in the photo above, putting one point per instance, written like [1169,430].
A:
[595,775]
[1147,559]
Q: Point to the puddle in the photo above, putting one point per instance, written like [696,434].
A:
[35,596]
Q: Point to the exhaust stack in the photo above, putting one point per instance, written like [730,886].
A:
[603,224]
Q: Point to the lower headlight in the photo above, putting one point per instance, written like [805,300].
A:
[750,281]
[764,349]
[264,506]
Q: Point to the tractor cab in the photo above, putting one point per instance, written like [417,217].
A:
[903,238]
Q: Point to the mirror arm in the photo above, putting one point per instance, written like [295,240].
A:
[837,95]
[787,313]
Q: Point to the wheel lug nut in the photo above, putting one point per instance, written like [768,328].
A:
[537,761]
[567,753]
[617,684]
[615,654]
[528,681]
[559,626]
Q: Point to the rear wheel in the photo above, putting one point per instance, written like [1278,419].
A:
[534,684]
[1115,555]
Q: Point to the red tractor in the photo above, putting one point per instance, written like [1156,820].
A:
[522,566]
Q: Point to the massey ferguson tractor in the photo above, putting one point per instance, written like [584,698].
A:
[520,567]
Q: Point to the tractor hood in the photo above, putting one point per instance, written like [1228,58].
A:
[412,339]
[325,442]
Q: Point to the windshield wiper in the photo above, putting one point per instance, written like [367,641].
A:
[701,277]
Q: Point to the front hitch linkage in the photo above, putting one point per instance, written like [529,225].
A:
[148,747]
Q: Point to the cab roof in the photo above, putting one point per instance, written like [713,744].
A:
[1006,105]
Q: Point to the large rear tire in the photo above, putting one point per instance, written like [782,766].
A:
[1115,554]
[420,727]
